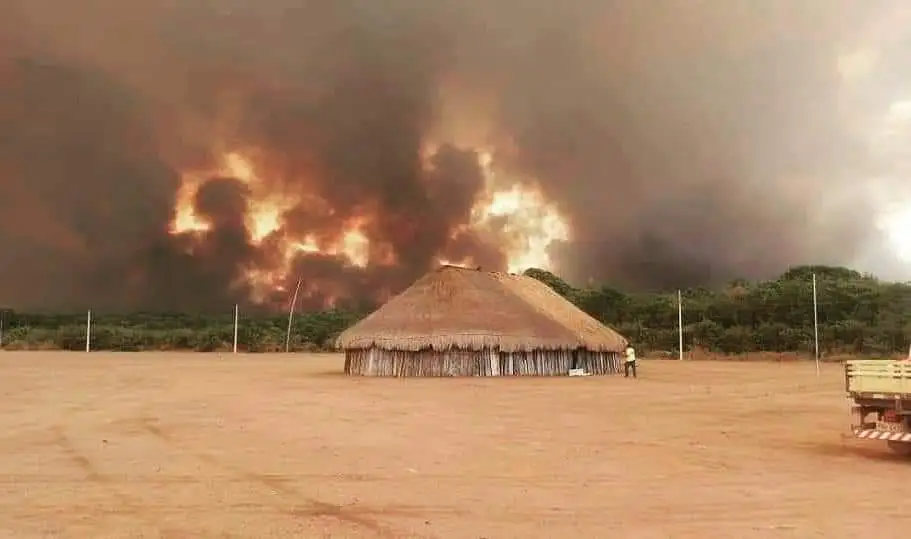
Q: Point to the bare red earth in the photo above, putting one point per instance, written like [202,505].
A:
[183,445]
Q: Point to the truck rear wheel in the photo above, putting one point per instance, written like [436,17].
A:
[900,448]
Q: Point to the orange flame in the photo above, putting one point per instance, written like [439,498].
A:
[510,213]
[531,223]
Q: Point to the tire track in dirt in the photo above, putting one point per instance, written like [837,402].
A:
[63,442]
[360,516]
[128,504]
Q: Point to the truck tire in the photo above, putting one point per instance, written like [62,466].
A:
[900,448]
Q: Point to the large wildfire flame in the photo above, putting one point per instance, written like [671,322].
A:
[513,216]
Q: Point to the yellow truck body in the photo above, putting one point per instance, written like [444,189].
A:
[877,376]
[881,391]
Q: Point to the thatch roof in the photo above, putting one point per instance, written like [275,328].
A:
[473,309]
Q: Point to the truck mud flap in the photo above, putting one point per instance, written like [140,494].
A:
[871,434]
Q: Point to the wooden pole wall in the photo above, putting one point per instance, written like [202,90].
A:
[428,363]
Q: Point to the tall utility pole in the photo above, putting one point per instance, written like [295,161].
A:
[291,315]
[236,316]
[88,332]
[680,323]
[815,325]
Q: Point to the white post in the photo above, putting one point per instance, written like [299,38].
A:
[680,322]
[88,332]
[291,316]
[236,315]
[815,325]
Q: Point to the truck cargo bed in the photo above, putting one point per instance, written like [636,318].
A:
[877,378]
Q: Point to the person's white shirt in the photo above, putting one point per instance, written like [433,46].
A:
[630,354]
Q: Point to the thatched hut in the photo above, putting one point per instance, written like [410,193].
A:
[465,322]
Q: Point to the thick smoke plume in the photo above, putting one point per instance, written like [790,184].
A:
[686,143]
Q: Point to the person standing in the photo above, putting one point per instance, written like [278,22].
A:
[629,364]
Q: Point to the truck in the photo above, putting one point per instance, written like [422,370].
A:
[881,394]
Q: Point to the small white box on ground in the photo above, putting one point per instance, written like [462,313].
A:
[577,372]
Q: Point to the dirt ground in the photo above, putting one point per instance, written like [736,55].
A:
[185,446]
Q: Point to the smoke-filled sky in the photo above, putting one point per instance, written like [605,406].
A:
[189,155]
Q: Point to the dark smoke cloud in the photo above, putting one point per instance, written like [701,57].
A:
[700,142]
[688,143]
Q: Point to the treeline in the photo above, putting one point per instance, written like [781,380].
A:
[173,331]
[858,314]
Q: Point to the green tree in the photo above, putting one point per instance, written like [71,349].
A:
[858,314]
